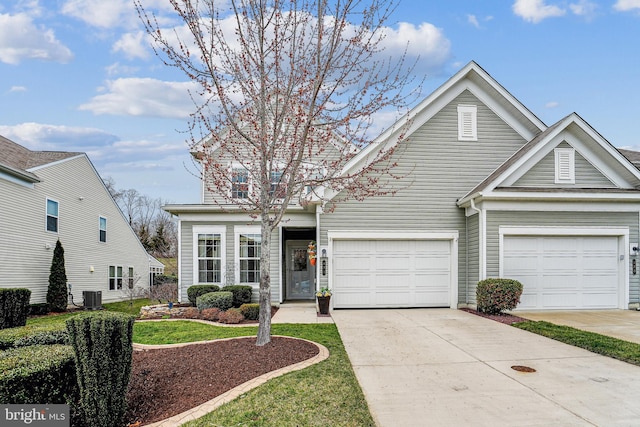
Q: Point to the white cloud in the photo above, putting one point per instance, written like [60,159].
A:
[144,97]
[18,89]
[21,39]
[626,5]
[536,10]
[551,104]
[101,13]
[584,8]
[425,41]
[116,69]
[133,45]
[38,136]
[471,19]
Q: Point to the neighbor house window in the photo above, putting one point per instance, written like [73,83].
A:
[565,166]
[247,243]
[115,277]
[131,278]
[467,123]
[239,183]
[278,188]
[103,229]
[209,250]
[52,215]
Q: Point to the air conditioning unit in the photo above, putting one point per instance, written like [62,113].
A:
[92,300]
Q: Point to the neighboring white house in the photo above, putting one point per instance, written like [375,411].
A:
[489,190]
[50,196]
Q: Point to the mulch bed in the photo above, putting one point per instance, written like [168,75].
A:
[166,382]
[505,318]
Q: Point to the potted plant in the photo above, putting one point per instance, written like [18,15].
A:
[323,296]
[311,251]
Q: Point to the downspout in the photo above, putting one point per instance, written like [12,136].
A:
[481,241]
[318,209]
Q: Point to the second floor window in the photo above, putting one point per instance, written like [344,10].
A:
[239,183]
[103,229]
[52,215]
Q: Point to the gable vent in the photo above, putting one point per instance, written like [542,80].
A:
[565,166]
[467,123]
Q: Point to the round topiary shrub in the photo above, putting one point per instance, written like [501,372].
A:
[493,296]
[241,294]
[221,300]
[193,292]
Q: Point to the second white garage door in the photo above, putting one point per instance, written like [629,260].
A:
[564,272]
[391,273]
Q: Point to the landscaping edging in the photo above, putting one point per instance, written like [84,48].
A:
[205,408]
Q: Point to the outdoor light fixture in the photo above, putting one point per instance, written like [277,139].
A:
[323,262]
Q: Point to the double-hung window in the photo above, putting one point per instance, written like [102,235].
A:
[115,277]
[131,278]
[103,229]
[209,250]
[278,187]
[247,243]
[52,215]
[239,183]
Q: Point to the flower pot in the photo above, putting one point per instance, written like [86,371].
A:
[313,261]
[323,304]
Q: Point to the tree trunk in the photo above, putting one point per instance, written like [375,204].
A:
[264,326]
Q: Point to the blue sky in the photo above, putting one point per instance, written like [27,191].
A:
[78,75]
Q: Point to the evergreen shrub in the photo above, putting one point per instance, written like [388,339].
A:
[221,300]
[14,307]
[495,295]
[193,292]
[241,294]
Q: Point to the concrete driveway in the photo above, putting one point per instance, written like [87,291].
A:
[443,367]
[622,324]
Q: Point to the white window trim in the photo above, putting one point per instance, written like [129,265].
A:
[467,113]
[46,215]
[105,228]
[209,229]
[131,274]
[238,230]
[567,155]
[116,277]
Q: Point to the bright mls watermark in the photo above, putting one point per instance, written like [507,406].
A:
[35,415]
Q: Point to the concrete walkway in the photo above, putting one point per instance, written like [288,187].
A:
[443,367]
[299,312]
[622,324]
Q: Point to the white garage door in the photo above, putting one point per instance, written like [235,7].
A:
[568,272]
[391,273]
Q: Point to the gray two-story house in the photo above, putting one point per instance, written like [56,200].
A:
[490,191]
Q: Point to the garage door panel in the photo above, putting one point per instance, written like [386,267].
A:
[564,272]
[401,273]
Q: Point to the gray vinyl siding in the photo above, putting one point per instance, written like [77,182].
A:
[82,198]
[187,243]
[543,174]
[569,219]
[473,257]
[437,169]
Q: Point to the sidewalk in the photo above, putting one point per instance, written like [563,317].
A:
[299,312]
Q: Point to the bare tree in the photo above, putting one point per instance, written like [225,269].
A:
[283,86]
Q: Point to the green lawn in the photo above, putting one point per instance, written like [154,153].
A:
[325,394]
[600,344]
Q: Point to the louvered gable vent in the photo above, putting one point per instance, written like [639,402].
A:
[467,123]
[565,165]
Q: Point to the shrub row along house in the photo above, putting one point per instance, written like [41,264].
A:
[487,190]
[51,196]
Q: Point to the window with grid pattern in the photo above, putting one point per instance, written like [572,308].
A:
[209,258]
[249,257]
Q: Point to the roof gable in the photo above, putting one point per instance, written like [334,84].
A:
[597,156]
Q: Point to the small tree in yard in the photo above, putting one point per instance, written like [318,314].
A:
[57,290]
[283,87]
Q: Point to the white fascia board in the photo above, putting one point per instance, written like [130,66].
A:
[57,162]
[392,235]
[558,206]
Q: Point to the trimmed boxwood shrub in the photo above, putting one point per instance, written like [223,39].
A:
[14,307]
[241,294]
[52,333]
[250,311]
[103,350]
[193,292]
[221,300]
[38,374]
[39,309]
[493,296]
